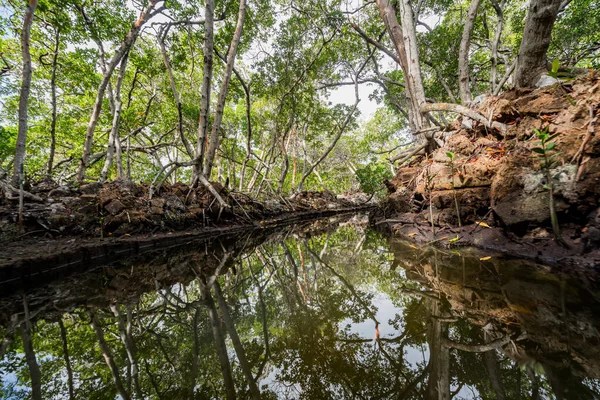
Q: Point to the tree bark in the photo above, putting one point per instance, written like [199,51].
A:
[34,368]
[127,340]
[404,39]
[496,44]
[220,344]
[237,343]
[53,101]
[216,127]
[531,62]
[63,337]
[184,141]
[114,142]
[464,84]
[209,15]
[130,38]
[24,95]
[112,366]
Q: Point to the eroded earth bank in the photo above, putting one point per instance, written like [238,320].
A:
[493,175]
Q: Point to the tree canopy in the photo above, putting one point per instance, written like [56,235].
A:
[271,96]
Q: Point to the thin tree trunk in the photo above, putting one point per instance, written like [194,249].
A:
[496,44]
[404,39]
[63,337]
[216,127]
[112,366]
[493,369]
[24,95]
[114,141]
[237,343]
[464,83]
[34,368]
[130,38]
[195,355]
[209,15]
[220,345]
[53,101]
[127,340]
[186,143]
[531,62]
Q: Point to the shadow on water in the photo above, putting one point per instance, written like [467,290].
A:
[327,309]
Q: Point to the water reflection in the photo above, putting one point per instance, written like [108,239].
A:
[316,312]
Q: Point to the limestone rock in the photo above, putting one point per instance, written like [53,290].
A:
[114,207]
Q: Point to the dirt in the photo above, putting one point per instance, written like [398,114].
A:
[123,208]
[498,180]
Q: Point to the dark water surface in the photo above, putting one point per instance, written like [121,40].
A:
[327,310]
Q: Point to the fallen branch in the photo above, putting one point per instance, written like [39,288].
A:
[409,155]
[449,107]
[10,190]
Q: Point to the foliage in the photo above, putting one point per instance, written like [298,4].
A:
[371,177]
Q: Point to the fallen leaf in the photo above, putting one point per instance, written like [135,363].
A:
[485,258]
[483,224]
[412,234]
[413,246]
[456,239]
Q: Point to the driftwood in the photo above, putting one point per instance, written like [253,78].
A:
[10,190]
[466,112]
[408,156]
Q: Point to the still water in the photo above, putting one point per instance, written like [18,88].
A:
[326,310]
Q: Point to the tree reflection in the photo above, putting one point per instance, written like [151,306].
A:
[305,314]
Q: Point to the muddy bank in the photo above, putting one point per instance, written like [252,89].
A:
[493,184]
[120,208]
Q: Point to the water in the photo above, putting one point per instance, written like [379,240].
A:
[327,310]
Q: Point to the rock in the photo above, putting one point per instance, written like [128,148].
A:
[546,80]
[61,191]
[114,207]
[158,202]
[400,200]
[173,202]
[90,188]
[479,99]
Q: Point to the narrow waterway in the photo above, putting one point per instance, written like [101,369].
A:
[328,309]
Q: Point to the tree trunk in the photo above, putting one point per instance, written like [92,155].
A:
[127,340]
[220,344]
[493,369]
[24,95]
[214,137]
[184,141]
[405,41]
[531,61]
[209,15]
[130,38]
[464,84]
[112,366]
[496,44]
[63,337]
[53,100]
[237,343]
[34,368]
[114,141]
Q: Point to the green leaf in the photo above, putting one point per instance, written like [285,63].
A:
[550,146]
[538,150]
[450,155]
[555,65]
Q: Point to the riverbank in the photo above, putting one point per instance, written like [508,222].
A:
[486,187]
